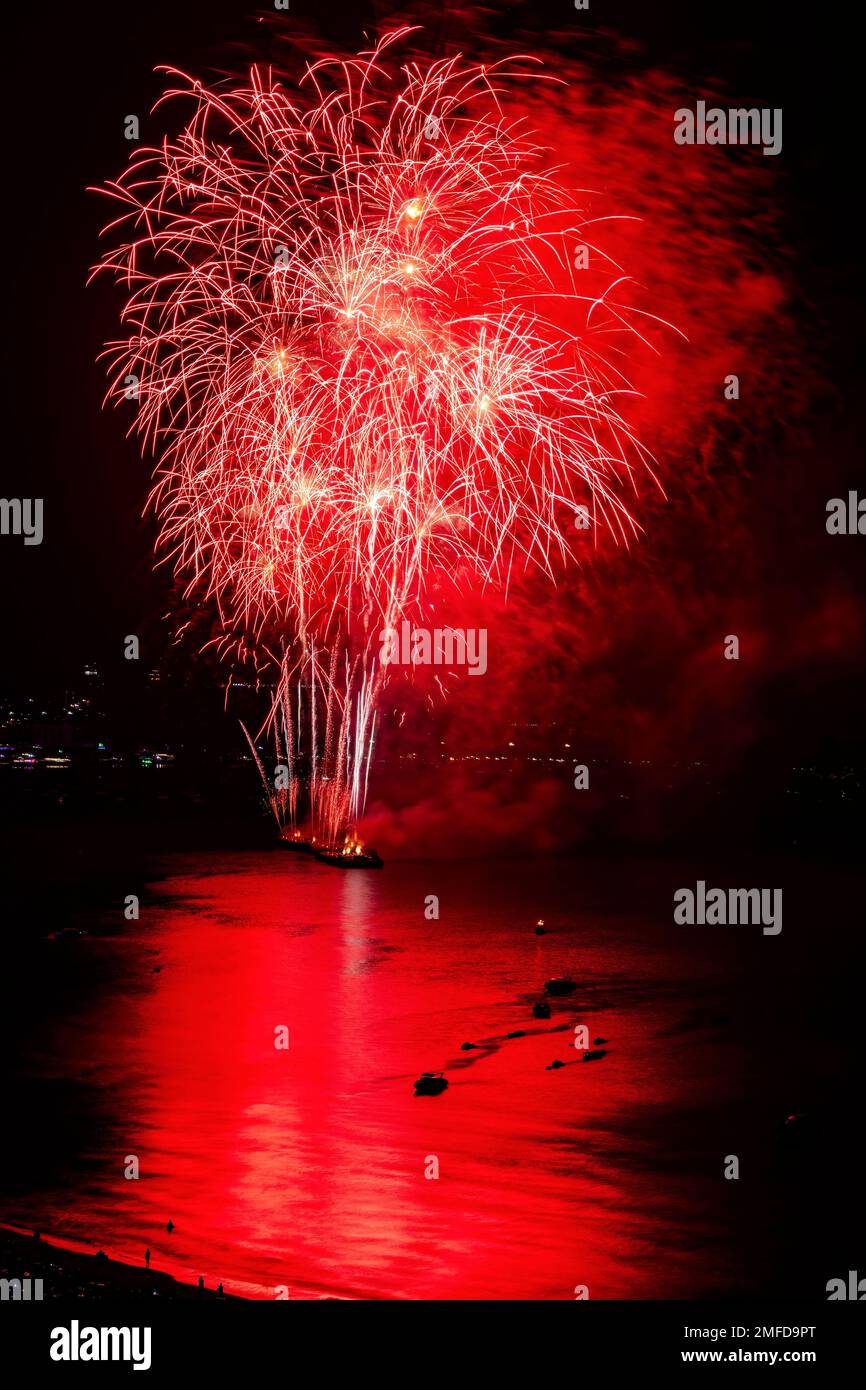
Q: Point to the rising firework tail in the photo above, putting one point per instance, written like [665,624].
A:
[321,726]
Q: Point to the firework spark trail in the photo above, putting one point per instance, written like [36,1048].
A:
[327,780]
[363,363]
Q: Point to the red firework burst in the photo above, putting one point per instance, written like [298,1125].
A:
[362,360]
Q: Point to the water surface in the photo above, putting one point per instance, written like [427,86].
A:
[304,1169]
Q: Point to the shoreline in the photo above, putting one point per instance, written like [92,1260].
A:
[67,1272]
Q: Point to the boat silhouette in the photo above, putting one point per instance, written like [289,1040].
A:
[430,1083]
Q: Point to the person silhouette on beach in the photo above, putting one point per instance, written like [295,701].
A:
[147,1258]
[220,1289]
[201,1283]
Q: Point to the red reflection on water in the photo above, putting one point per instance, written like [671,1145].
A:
[305,1168]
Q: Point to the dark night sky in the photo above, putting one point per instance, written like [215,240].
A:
[75,72]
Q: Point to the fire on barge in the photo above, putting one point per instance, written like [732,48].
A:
[350,855]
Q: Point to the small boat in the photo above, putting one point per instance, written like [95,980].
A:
[350,857]
[541,1009]
[430,1083]
[560,986]
[296,842]
[594,1055]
